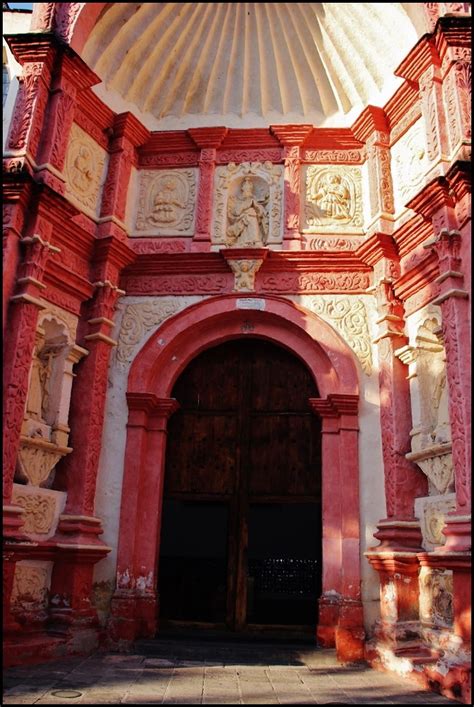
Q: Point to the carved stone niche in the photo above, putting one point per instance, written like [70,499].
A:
[45,430]
[431,435]
[248,205]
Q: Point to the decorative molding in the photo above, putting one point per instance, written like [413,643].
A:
[248,205]
[166,202]
[355,282]
[327,243]
[349,317]
[85,170]
[333,199]
[37,459]
[238,155]
[333,156]
[177,284]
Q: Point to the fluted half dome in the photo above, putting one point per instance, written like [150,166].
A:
[178,65]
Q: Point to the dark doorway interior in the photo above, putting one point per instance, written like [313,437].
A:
[241,523]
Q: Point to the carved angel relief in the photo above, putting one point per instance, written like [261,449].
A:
[248,205]
[166,202]
[332,199]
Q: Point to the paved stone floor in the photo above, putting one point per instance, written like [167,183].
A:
[203,672]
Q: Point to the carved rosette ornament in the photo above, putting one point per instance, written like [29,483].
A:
[248,205]
[333,199]
[432,512]
[166,202]
[39,510]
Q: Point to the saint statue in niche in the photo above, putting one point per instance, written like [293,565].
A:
[247,216]
[38,397]
[333,197]
[167,204]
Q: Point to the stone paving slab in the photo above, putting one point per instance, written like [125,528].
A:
[181,671]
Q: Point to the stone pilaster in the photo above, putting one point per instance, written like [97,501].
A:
[208,140]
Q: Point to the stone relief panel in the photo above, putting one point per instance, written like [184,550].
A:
[349,317]
[436,597]
[140,318]
[248,205]
[431,512]
[332,199]
[166,202]
[409,164]
[85,171]
[31,585]
[42,508]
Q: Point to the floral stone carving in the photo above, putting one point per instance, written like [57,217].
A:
[30,585]
[140,318]
[85,170]
[437,463]
[248,205]
[349,317]
[332,199]
[166,202]
[39,510]
[431,512]
[436,597]
[37,459]
[409,163]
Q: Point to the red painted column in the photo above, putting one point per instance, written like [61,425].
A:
[292,138]
[329,602]
[36,54]
[134,606]
[400,536]
[128,134]
[350,632]
[15,199]
[208,140]
[340,608]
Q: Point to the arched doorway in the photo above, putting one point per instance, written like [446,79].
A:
[241,522]
[155,371]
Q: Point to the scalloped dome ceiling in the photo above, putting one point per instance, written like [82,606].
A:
[180,65]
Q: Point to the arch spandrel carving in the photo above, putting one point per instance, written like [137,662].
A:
[183,336]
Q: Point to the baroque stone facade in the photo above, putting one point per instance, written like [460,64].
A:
[152,215]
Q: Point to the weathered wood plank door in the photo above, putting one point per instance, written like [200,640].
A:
[243,448]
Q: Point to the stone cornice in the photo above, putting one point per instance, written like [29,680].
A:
[291,135]
[422,56]
[372,119]
[378,246]
[424,273]
[432,197]
[207,138]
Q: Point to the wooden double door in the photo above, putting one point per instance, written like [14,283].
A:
[241,523]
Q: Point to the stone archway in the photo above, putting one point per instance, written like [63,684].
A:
[152,375]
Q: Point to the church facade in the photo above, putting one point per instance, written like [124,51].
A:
[236,315]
